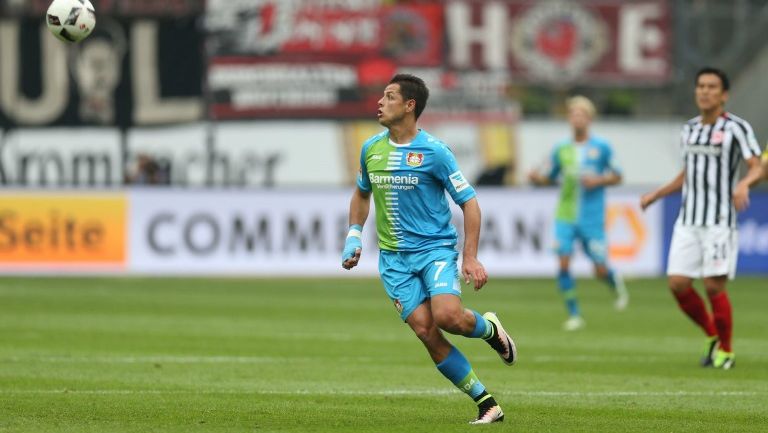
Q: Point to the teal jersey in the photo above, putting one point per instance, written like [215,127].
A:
[569,162]
[408,184]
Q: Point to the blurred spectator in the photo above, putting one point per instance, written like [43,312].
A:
[148,171]
[497,175]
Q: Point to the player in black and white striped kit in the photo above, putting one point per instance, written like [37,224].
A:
[704,242]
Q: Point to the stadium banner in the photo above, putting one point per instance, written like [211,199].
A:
[322,30]
[601,41]
[61,157]
[301,233]
[142,65]
[261,232]
[279,153]
[752,233]
[518,234]
[268,153]
[272,58]
[244,154]
[66,232]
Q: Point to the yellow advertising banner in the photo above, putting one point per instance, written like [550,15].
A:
[62,229]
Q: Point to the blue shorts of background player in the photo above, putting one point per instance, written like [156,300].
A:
[593,242]
[592,238]
[410,278]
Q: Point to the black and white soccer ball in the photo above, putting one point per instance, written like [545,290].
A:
[71,20]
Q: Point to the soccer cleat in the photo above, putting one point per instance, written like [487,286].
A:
[489,415]
[501,342]
[724,360]
[574,323]
[709,351]
[622,295]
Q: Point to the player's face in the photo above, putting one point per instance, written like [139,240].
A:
[392,106]
[709,92]
[579,118]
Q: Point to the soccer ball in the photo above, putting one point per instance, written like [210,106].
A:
[71,20]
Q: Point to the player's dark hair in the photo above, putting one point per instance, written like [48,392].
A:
[412,87]
[710,70]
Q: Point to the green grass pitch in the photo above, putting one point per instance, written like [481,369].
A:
[320,355]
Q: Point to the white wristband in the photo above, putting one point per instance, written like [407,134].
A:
[355,233]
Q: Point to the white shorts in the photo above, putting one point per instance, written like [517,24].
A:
[698,252]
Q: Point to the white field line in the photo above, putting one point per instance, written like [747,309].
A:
[391,392]
[173,359]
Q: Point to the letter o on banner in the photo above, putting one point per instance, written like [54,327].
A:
[194,234]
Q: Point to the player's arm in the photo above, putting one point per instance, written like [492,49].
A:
[548,172]
[611,174]
[538,179]
[765,163]
[471,268]
[741,192]
[359,206]
[675,185]
[607,179]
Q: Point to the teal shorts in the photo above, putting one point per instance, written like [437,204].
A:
[412,278]
[592,239]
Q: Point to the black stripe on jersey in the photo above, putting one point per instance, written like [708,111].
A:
[718,174]
[705,173]
[695,196]
[731,179]
[687,129]
[693,160]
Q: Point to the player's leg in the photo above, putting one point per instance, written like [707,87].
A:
[685,262]
[452,364]
[405,289]
[596,247]
[567,286]
[440,276]
[686,255]
[720,255]
[723,320]
[451,316]
[693,306]
[564,237]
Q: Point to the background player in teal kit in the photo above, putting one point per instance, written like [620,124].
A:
[584,166]
[407,171]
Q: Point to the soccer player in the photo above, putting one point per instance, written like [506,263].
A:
[704,238]
[584,166]
[407,171]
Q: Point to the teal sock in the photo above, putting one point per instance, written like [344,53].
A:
[483,328]
[456,368]
[610,279]
[568,290]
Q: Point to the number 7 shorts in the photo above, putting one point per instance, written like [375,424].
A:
[410,278]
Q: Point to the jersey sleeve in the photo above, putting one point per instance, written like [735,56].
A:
[610,163]
[363,182]
[745,136]
[448,172]
[683,142]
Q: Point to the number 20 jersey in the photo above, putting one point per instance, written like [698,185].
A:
[408,184]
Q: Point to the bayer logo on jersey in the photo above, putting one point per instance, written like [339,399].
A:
[414,159]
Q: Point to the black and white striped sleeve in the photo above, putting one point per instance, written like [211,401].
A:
[745,136]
